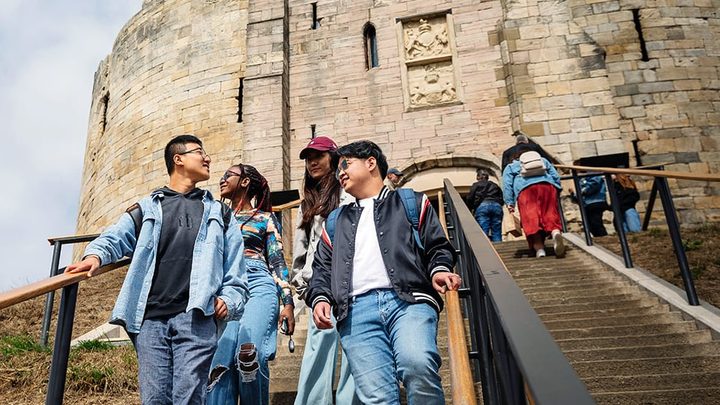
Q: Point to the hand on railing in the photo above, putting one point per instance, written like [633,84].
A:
[511,209]
[89,264]
[444,281]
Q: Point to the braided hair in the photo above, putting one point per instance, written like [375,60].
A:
[258,190]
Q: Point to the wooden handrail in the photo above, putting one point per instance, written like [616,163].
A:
[38,288]
[641,172]
[461,378]
[73,238]
[291,204]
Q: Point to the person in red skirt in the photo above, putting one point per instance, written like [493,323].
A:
[531,184]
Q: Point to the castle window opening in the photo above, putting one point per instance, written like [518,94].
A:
[371,53]
[104,109]
[315,20]
[638,28]
[313,134]
[239,99]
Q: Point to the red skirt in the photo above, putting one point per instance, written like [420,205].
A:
[538,207]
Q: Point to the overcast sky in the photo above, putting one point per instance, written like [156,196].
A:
[49,51]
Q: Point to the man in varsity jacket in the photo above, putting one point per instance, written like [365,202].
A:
[381,275]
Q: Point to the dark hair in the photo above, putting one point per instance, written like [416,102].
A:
[321,196]
[482,173]
[175,146]
[258,189]
[365,150]
[520,149]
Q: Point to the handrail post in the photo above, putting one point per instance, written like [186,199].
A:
[563,221]
[674,228]
[650,205]
[581,204]
[618,220]
[61,350]
[50,297]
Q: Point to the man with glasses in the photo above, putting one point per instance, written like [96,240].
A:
[381,273]
[187,268]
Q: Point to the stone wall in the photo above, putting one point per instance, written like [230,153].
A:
[175,68]
[434,95]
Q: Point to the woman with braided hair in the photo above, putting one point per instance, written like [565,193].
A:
[240,365]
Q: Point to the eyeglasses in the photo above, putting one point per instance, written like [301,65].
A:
[342,165]
[227,175]
[199,151]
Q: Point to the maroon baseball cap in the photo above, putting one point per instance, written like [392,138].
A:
[321,143]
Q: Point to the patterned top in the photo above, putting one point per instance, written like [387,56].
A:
[263,245]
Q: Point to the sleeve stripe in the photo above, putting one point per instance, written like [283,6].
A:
[425,205]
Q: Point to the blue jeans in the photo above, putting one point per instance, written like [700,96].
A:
[258,325]
[174,354]
[489,215]
[317,371]
[387,340]
[631,221]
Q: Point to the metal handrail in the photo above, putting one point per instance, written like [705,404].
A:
[660,186]
[461,379]
[518,361]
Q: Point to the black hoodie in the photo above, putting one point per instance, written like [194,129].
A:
[181,218]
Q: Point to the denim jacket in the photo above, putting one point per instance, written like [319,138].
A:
[514,182]
[218,264]
[593,189]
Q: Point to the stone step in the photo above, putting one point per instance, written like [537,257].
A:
[546,264]
[589,299]
[630,330]
[600,313]
[566,308]
[521,273]
[569,280]
[679,396]
[584,293]
[645,352]
[691,337]
[645,319]
[651,382]
[588,285]
[674,365]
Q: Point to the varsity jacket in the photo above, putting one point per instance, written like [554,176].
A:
[409,267]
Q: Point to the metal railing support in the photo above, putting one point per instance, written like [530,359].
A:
[61,350]
[618,217]
[581,204]
[674,228]
[50,297]
[650,205]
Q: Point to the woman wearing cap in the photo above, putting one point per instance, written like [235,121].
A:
[321,194]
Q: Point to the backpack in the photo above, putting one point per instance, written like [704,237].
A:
[531,164]
[136,214]
[407,196]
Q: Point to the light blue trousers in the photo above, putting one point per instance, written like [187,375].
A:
[317,371]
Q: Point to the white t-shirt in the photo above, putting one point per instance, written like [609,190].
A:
[369,271]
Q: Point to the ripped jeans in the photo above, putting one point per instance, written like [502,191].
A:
[258,325]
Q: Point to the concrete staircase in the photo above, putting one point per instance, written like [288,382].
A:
[285,369]
[628,346]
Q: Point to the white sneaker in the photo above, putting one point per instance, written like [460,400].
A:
[558,243]
[540,253]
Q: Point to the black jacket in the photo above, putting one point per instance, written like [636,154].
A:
[409,268]
[483,190]
[628,196]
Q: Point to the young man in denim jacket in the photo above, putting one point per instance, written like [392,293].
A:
[186,268]
[382,285]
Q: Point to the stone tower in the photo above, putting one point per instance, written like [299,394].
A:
[440,86]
